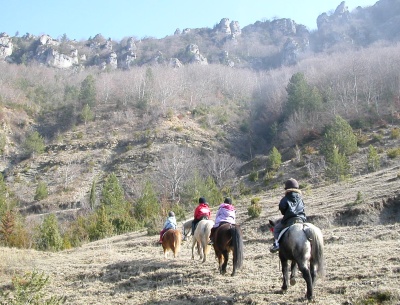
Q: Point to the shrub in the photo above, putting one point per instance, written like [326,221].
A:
[41,191]
[393,153]
[253,176]
[373,159]
[338,166]
[395,133]
[49,237]
[274,159]
[100,227]
[254,210]
[28,289]
[377,297]
[34,144]
[339,135]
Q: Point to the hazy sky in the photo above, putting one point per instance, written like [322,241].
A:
[117,19]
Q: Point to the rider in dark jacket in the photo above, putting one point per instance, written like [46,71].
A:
[292,209]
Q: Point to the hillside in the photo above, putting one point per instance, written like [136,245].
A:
[361,246]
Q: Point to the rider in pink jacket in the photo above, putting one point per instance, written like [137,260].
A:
[226,214]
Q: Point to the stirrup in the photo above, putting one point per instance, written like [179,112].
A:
[274,249]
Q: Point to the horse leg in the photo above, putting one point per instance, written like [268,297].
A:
[285,273]
[199,250]
[293,272]
[193,244]
[313,272]
[204,252]
[234,266]
[225,263]
[307,277]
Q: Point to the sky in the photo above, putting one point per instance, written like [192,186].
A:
[117,19]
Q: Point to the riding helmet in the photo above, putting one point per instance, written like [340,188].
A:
[228,200]
[202,200]
[291,184]
[171,214]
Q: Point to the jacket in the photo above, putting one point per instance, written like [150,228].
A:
[202,210]
[292,206]
[226,213]
[170,223]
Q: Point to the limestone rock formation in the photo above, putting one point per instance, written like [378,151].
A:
[6,46]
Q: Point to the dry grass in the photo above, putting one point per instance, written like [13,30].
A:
[361,252]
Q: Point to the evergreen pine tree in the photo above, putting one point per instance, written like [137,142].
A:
[301,95]
[34,144]
[339,135]
[274,159]
[41,191]
[338,166]
[49,235]
[147,205]
[92,197]
[87,92]
[373,159]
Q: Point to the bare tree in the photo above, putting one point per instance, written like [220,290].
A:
[173,168]
[221,167]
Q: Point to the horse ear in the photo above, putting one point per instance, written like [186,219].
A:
[271,222]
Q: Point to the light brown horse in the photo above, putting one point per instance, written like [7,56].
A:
[171,241]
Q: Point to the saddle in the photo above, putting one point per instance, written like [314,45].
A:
[195,223]
[291,224]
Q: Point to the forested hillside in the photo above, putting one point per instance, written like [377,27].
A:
[94,152]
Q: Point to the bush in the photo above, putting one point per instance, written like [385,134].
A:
[49,237]
[373,160]
[254,210]
[338,166]
[339,135]
[41,191]
[34,144]
[393,153]
[253,176]
[395,133]
[100,227]
[28,289]
[274,159]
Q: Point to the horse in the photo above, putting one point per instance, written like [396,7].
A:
[187,228]
[303,245]
[171,240]
[201,238]
[228,238]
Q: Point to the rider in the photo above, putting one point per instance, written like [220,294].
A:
[226,214]
[170,223]
[292,209]
[201,212]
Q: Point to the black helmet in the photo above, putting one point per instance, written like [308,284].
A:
[170,214]
[291,184]
[202,200]
[228,200]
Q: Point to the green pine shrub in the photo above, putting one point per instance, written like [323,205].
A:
[254,210]
[28,289]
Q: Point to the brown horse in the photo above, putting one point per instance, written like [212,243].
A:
[228,238]
[171,240]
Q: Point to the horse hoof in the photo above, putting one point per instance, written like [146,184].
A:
[292,282]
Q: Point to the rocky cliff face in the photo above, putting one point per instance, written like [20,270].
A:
[361,27]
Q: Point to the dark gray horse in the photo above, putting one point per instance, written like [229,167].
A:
[303,245]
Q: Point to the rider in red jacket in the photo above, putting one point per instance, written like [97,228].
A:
[202,211]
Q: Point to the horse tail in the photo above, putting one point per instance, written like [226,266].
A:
[317,249]
[177,236]
[237,243]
